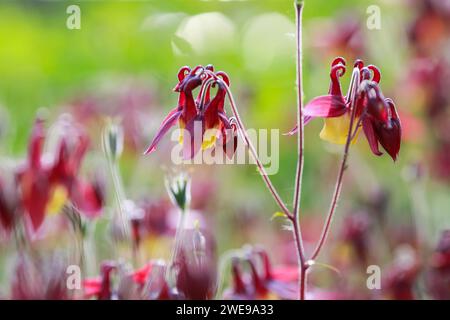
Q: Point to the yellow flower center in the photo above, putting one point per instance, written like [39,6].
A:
[209,137]
[335,130]
[58,198]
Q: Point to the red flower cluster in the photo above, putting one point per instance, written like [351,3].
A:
[195,275]
[207,113]
[377,115]
[45,185]
[262,281]
[131,283]
[37,277]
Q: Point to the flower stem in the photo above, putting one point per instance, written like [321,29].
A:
[343,167]
[300,160]
[120,216]
[302,266]
[172,267]
[178,235]
[300,125]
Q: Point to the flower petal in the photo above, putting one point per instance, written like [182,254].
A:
[390,133]
[88,197]
[193,137]
[167,123]
[390,138]
[92,288]
[326,107]
[213,108]
[370,135]
[36,143]
[306,120]
[35,187]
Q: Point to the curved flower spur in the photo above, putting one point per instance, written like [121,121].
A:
[373,112]
[203,113]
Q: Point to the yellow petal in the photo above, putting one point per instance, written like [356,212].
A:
[57,200]
[335,130]
[180,137]
[209,139]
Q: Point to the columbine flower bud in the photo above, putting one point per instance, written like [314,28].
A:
[113,140]
[179,190]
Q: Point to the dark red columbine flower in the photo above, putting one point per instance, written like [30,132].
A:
[46,186]
[376,114]
[262,281]
[438,275]
[146,283]
[155,219]
[341,35]
[196,266]
[40,278]
[125,99]
[430,29]
[100,287]
[355,231]
[33,179]
[9,205]
[401,276]
[206,113]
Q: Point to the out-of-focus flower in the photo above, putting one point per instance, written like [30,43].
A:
[426,84]
[196,266]
[156,287]
[207,113]
[204,192]
[46,186]
[377,115]
[147,283]
[125,100]
[398,284]
[425,89]
[438,275]
[9,205]
[100,288]
[431,28]
[378,204]
[441,161]
[40,278]
[340,36]
[156,218]
[355,231]
[262,281]
[34,179]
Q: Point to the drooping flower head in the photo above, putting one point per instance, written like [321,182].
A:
[146,283]
[196,266]
[364,103]
[262,281]
[9,206]
[40,278]
[47,184]
[438,273]
[203,119]
[401,276]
